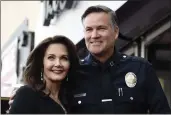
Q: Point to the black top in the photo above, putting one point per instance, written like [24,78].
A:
[29,101]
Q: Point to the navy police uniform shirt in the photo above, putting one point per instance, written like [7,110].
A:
[123,84]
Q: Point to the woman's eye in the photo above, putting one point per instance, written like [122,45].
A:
[65,58]
[50,57]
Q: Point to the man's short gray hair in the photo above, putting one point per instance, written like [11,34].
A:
[101,8]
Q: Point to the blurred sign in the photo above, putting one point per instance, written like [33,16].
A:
[54,8]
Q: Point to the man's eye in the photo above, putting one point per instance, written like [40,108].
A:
[102,28]
[87,30]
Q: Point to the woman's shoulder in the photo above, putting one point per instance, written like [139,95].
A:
[26,90]
[25,100]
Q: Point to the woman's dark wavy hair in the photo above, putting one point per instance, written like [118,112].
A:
[34,64]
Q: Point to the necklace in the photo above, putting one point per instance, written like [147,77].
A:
[60,104]
[63,108]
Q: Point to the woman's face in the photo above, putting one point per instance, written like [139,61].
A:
[56,62]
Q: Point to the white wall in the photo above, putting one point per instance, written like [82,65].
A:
[69,23]
[13,14]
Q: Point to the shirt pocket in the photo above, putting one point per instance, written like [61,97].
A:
[129,95]
[131,100]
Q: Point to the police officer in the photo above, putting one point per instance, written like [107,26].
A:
[110,82]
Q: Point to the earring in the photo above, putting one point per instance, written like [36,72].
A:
[67,78]
[41,77]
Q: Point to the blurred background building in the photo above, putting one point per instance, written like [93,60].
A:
[145,31]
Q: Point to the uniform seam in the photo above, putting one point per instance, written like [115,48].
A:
[139,60]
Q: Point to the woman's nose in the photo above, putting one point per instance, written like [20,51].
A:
[57,62]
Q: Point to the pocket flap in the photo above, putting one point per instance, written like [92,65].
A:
[83,98]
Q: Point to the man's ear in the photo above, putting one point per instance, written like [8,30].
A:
[116,32]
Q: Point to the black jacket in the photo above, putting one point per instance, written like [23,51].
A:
[102,88]
[29,101]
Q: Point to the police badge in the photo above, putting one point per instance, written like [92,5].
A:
[130,79]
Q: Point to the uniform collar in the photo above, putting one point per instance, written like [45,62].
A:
[113,60]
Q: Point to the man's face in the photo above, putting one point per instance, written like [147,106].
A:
[99,34]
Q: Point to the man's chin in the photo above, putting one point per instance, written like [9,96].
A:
[97,53]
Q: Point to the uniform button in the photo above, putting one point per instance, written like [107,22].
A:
[131,98]
[82,60]
[111,63]
[79,102]
[124,56]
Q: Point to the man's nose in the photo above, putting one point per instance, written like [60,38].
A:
[95,34]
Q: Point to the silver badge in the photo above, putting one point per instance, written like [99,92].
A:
[130,79]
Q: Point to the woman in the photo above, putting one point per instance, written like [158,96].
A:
[47,69]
